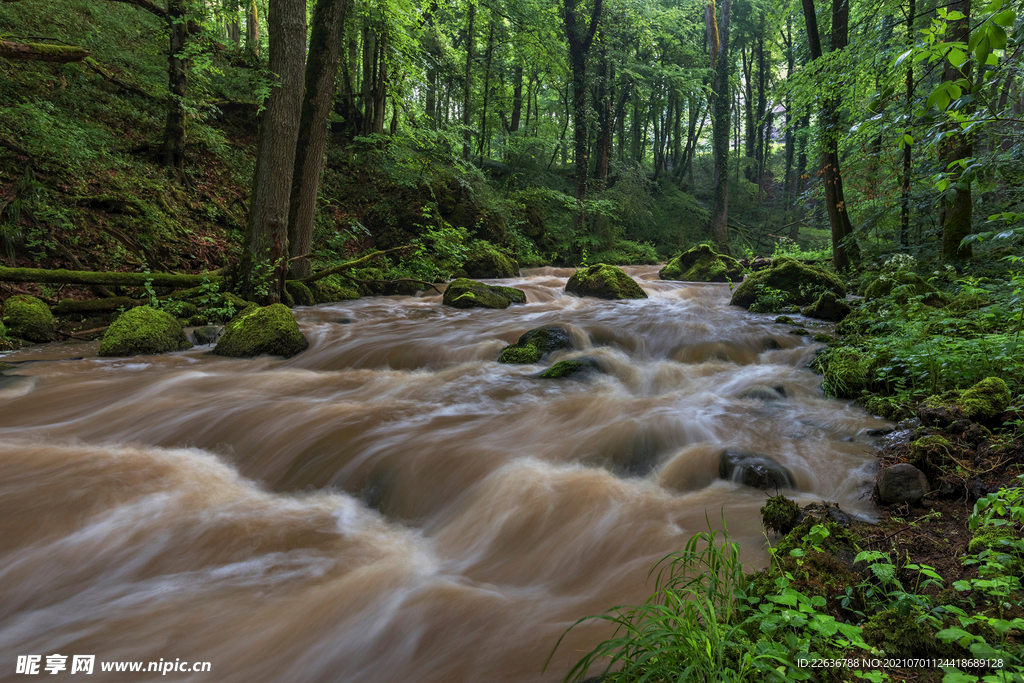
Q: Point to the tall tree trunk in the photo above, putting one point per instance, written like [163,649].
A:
[844,248]
[173,150]
[252,32]
[517,100]
[467,90]
[488,61]
[748,108]
[605,95]
[264,255]
[788,184]
[320,85]
[908,148]
[579,47]
[718,41]
[957,223]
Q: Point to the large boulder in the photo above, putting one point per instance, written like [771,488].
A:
[465,293]
[800,284]
[751,469]
[485,261]
[828,307]
[143,330]
[906,285]
[29,318]
[702,264]
[535,344]
[256,331]
[902,483]
[604,282]
[564,369]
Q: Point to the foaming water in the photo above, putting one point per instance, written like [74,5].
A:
[392,504]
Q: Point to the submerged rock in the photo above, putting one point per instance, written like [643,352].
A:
[801,284]
[828,307]
[466,293]
[763,392]
[256,331]
[757,471]
[207,334]
[29,318]
[485,261]
[604,282]
[702,264]
[571,368]
[143,330]
[902,483]
[535,344]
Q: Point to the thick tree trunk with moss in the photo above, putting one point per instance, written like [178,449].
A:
[265,253]
[173,151]
[957,223]
[321,77]
[42,52]
[718,40]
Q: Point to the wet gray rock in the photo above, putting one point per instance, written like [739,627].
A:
[762,392]
[902,483]
[755,470]
[207,334]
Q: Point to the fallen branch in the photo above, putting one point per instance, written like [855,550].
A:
[88,278]
[83,333]
[11,147]
[65,306]
[334,270]
[42,52]
[94,65]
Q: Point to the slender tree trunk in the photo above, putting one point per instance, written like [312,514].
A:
[579,47]
[252,32]
[908,150]
[488,61]
[748,109]
[957,223]
[173,151]
[517,100]
[467,88]
[320,85]
[264,255]
[718,40]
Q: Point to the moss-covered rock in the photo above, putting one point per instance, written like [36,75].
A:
[845,371]
[786,320]
[485,261]
[333,288]
[702,264]
[256,331]
[465,293]
[535,344]
[801,284]
[999,538]
[604,282]
[780,514]
[298,293]
[828,307]
[571,368]
[143,330]
[985,402]
[29,318]
[904,286]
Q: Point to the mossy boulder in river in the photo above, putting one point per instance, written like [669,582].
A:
[564,369]
[702,264]
[828,307]
[604,282]
[535,344]
[298,294]
[800,284]
[256,331]
[465,293]
[485,261]
[143,330]
[29,318]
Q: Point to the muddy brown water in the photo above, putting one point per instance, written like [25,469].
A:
[392,505]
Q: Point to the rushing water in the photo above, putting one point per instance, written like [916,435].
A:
[392,505]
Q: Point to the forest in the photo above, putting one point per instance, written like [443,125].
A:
[514,340]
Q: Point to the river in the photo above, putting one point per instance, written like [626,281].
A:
[392,505]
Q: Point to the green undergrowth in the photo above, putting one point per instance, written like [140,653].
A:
[910,341]
[822,597]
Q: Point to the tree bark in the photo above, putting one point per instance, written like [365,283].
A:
[579,47]
[252,32]
[907,147]
[718,40]
[320,82]
[264,255]
[468,83]
[173,150]
[957,223]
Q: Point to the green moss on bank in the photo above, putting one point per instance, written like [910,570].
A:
[143,330]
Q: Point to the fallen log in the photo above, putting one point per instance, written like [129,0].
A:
[42,52]
[65,306]
[88,278]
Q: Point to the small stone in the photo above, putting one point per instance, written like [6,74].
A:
[207,334]
[902,483]
[758,471]
[564,369]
